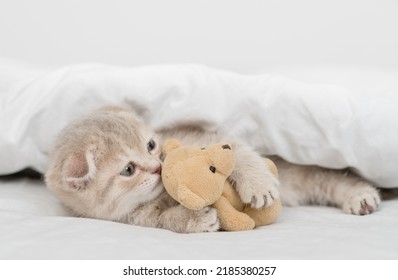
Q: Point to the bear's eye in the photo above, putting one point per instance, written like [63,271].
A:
[213,169]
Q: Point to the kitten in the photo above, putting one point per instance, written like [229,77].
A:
[106,165]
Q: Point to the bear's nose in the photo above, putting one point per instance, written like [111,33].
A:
[226,147]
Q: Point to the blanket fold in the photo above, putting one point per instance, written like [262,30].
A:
[306,123]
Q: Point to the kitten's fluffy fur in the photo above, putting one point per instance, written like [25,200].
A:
[106,165]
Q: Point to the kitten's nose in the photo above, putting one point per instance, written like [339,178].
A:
[158,170]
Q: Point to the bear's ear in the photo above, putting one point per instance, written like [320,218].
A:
[80,168]
[170,145]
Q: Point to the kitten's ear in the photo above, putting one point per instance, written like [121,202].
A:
[80,168]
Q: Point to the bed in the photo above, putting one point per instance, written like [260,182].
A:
[336,118]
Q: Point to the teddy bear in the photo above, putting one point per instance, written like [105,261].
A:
[198,177]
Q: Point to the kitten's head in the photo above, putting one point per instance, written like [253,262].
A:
[105,164]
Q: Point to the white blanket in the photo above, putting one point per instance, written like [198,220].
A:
[307,123]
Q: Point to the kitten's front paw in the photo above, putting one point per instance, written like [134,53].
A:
[362,201]
[204,220]
[260,191]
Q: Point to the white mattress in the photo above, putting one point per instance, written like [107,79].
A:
[35,226]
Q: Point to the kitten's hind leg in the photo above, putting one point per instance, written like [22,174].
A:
[314,185]
[183,220]
[164,212]
[361,198]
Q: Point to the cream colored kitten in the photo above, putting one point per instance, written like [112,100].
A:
[106,165]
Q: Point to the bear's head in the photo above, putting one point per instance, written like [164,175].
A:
[194,176]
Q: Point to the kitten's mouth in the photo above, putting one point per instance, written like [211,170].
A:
[158,171]
[157,183]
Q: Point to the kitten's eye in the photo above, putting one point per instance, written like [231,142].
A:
[151,145]
[213,169]
[128,170]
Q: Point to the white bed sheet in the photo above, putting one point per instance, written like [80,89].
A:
[35,226]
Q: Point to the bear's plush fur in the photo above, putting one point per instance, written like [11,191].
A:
[197,177]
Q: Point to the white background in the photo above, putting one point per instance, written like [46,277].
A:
[243,36]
